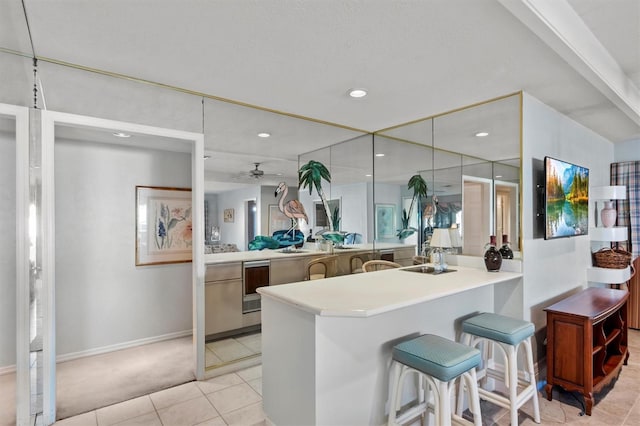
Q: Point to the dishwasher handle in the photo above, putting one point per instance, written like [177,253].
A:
[256,263]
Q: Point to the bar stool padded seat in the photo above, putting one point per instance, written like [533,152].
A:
[436,356]
[507,335]
[499,328]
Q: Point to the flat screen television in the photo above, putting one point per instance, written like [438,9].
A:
[566,199]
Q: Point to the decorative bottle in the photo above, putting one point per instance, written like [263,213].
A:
[608,214]
[505,250]
[492,257]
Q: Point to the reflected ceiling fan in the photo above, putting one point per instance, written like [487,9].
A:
[256,173]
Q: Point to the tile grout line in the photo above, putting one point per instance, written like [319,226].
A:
[637,401]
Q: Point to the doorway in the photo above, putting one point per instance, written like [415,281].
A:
[252,221]
[94,255]
[477,199]
[14,265]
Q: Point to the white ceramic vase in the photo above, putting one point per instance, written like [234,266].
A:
[608,214]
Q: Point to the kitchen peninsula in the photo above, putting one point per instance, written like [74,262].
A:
[231,279]
[327,344]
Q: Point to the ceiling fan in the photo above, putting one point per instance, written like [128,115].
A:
[256,173]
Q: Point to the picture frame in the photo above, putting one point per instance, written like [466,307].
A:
[164,223]
[385,221]
[229,215]
[278,221]
[406,205]
[321,220]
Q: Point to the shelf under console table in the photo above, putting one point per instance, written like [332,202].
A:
[586,341]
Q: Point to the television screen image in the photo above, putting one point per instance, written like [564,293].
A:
[566,199]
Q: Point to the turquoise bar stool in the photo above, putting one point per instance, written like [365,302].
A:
[437,362]
[508,335]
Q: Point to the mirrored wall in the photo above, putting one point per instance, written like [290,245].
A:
[470,160]
[472,186]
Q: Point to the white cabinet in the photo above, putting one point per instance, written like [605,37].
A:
[608,235]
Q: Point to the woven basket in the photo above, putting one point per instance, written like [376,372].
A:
[611,258]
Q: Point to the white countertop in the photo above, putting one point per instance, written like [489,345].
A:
[266,254]
[373,293]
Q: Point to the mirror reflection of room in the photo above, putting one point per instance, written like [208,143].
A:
[370,208]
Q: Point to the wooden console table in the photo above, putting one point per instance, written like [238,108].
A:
[586,341]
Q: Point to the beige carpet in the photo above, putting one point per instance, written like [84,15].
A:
[8,399]
[93,382]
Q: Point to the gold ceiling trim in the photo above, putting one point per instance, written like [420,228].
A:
[499,98]
[15,52]
[179,89]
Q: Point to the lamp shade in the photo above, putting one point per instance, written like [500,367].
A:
[454,234]
[440,238]
[616,192]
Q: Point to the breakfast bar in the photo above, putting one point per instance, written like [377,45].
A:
[327,343]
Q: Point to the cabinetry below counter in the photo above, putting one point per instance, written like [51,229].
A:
[223,298]
[586,341]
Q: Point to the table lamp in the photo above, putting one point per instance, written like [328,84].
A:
[439,240]
[456,241]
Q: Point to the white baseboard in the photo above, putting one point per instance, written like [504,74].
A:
[124,345]
[7,369]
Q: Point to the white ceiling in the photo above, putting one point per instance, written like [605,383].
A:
[417,58]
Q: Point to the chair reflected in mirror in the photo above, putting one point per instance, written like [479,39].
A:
[357,260]
[322,267]
[420,260]
[379,265]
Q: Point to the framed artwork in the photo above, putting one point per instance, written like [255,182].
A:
[228,215]
[163,225]
[406,205]
[277,220]
[385,220]
[321,214]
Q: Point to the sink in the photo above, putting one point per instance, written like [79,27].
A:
[292,251]
[426,270]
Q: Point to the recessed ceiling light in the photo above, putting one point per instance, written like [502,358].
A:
[498,176]
[121,135]
[264,134]
[368,175]
[357,93]
[379,155]
[482,134]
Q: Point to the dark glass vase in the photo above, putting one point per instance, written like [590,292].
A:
[492,257]
[505,250]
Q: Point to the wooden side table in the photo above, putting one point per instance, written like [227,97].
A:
[586,341]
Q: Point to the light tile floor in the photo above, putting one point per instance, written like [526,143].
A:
[231,399]
[222,352]
[236,399]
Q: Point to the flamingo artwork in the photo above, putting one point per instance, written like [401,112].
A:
[293,209]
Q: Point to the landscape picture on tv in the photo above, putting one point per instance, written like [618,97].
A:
[566,199]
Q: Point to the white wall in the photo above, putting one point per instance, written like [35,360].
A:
[627,151]
[7,250]
[102,298]
[555,267]
[235,232]
[354,205]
